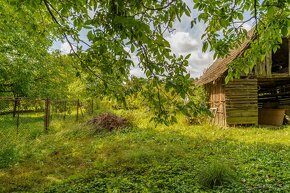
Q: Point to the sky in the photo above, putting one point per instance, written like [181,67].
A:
[183,40]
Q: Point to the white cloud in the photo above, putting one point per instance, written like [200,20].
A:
[65,48]
[186,40]
[136,71]
[246,26]
[184,43]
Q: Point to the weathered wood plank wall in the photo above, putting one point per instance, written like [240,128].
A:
[289,56]
[242,102]
[216,91]
[264,69]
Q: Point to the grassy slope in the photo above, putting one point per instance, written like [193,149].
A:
[71,158]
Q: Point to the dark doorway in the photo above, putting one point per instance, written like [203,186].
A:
[280,59]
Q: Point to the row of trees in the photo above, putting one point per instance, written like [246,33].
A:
[28,68]
[29,27]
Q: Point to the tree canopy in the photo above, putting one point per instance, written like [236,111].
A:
[28,67]
[23,47]
[113,26]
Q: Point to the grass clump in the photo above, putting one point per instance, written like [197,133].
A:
[198,120]
[216,173]
[109,122]
[8,156]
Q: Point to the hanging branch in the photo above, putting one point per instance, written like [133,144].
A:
[256,18]
[158,8]
[49,7]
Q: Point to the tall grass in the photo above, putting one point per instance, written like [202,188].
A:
[217,173]
[71,157]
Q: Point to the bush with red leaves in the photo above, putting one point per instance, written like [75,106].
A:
[109,122]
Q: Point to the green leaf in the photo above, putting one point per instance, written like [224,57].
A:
[275,48]
[271,11]
[224,23]
[240,16]
[132,48]
[246,71]
[204,46]
[90,35]
[192,23]
[187,56]
[284,31]
[187,12]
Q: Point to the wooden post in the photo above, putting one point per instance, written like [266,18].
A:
[17,102]
[15,106]
[78,104]
[52,105]
[289,55]
[92,106]
[268,63]
[64,110]
[46,115]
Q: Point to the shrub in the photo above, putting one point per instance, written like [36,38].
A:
[109,122]
[198,119]
[216,173]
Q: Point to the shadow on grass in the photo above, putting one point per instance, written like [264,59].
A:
[25,118]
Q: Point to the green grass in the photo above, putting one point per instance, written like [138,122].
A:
[179,158]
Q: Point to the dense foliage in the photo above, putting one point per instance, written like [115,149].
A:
[116,29]
[72,157]
[225,29]
[28,67]
[22,49]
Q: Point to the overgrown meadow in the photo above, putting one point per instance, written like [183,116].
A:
[53,52]
[77,157]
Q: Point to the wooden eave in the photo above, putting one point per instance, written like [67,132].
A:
[220,66]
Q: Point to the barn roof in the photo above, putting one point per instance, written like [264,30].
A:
[221,65]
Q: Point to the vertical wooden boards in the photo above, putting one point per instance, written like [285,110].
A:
[264,69]
[268,63]
[260,69]
[235,103]
[289,56]
[241,98]
[46,115]
[217,101]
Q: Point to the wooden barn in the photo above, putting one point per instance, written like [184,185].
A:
[260,98]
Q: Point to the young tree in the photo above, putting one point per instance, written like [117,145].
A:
[23,47]
[28,68]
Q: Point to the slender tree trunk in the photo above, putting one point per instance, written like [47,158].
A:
[15,106]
